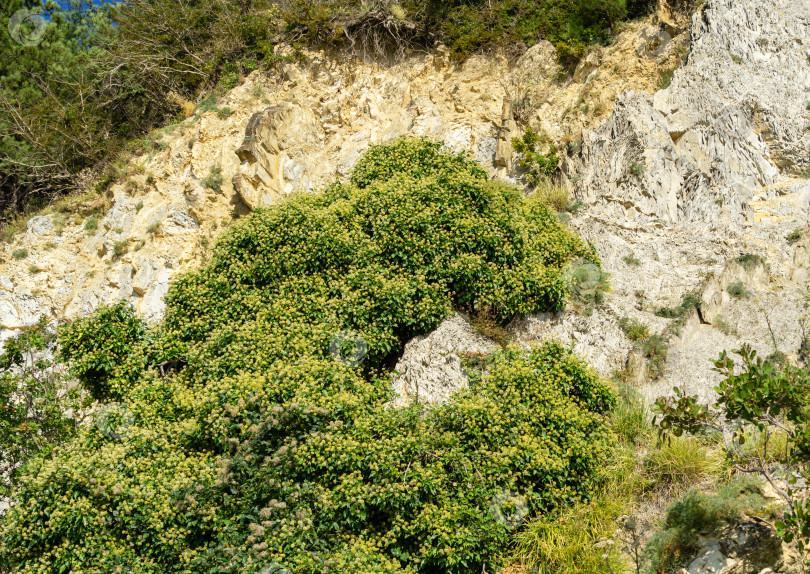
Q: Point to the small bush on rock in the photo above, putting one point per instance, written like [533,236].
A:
[539,166]
[214,179]
[738,290]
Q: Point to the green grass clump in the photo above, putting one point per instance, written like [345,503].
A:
[738,290]
[20,253]
[630,419]
[59,222]
[635,330]
[555,195]
[91,224]
[564,543]
[248,435]
[682,461]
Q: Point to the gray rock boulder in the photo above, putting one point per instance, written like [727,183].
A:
[39,225]
[430,369]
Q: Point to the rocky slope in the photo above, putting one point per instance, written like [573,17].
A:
[296,129]
[686,181]
[677,183]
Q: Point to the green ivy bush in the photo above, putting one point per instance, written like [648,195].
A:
[241,443]
[94,346]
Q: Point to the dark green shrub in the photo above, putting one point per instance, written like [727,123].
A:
[95,346]
[250,444]
[539,166]
[750,260]
[689,302]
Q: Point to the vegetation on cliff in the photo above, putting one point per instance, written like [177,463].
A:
[249,431]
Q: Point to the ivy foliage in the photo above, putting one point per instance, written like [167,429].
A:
[237,443]
[95,345]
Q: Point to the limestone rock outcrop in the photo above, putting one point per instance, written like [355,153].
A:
[712,169]
[274,140]
[731,119]
[430,370]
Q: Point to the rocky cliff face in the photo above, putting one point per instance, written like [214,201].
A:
[685,182]
[678,183]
